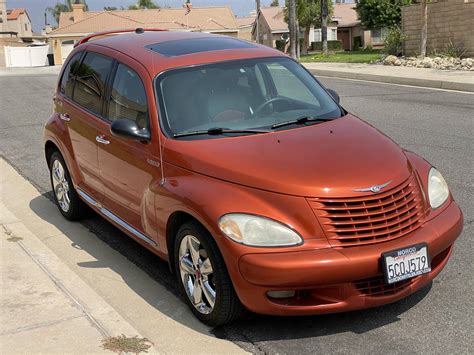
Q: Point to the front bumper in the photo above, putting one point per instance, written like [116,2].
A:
[343,279]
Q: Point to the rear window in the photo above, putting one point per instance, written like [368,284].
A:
[67,81]
[90,81]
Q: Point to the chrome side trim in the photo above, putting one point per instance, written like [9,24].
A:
[116,219]
[86,197]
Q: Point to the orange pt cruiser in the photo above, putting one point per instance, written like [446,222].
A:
[233,163]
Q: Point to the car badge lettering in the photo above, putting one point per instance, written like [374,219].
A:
[375,188]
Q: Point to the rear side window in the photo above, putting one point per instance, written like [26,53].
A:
[67,81]
[128,97]
[91,80]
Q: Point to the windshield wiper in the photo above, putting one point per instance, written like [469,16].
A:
[301,120]
[218,131]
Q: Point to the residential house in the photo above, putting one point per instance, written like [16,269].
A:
[270,25]
[79,23]
[450,23]
[14,22]
[245,27]
[350,31]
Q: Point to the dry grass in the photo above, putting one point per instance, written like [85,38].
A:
[122,344]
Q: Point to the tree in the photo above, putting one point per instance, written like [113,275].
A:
[324,25]
[293,28]
[144,4]
[375,14]
[110,8]
[56,10]
[424,27]
[275,3]
[308,13]
[257,23]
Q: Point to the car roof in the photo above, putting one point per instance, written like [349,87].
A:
[161,51]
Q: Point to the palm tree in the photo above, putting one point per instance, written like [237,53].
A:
[424,27]
[144,4]
[56,10]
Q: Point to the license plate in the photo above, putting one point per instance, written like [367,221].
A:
[406,263]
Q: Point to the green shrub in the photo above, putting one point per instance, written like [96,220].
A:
[453,50]
[333,46]
[393,42]
[280,44]
[357,42]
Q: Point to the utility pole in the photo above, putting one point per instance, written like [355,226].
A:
[292,26]
[324,25]
[259,39]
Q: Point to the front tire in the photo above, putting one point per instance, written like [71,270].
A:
[203,279]
[65,196]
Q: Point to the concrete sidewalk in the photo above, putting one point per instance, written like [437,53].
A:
[44,306]
[431,78]
[63,290]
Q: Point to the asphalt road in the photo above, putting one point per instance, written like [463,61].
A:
[438,125]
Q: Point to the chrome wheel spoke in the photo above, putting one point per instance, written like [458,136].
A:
[206,267]
[209,293]
[193,246]
[197,292]
[186,265]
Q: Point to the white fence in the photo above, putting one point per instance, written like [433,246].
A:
[26,56]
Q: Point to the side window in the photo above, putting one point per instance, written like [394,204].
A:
[128,97]
[90,81]
[67,81]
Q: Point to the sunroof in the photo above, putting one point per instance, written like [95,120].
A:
[197,45]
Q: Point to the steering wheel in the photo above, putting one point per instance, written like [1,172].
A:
[268,102]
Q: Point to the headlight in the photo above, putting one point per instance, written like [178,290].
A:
[438,191]
[257,231]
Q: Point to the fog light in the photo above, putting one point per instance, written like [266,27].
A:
[281,294]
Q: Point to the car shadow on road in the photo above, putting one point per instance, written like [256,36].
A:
[246,332]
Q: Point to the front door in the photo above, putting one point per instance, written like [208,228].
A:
[127,167]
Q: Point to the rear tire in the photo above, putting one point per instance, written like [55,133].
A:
[65,195]
[203,279]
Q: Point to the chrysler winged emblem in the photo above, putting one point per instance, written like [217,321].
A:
[375,188]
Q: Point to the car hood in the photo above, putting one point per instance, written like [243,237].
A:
[330,159]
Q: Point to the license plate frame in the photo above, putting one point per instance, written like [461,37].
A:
[404,256]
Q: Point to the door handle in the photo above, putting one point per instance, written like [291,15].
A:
[65,117]
[101,139]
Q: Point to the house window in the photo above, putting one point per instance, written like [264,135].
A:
[26,27]
[332,34]
[378,35]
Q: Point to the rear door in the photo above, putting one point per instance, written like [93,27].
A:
[84,112]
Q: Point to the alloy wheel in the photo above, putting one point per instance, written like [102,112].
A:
[60,186]
[197,274]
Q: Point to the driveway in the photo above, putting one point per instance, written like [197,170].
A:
[435,124]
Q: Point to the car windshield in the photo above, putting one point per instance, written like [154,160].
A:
[239,97]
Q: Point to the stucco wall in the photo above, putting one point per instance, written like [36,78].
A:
[448,20]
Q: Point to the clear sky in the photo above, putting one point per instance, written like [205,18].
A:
[36,8]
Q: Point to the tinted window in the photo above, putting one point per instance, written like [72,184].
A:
[128,97]
[198,45]
[67,81]
[90,81]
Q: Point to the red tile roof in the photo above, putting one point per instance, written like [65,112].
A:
[13,14]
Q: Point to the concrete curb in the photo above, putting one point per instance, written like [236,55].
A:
[102,319]
[421,82]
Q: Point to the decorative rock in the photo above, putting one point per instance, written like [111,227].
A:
[441,63]
[390,60]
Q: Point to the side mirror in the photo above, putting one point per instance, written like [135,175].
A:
[129,129]
[334,95]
